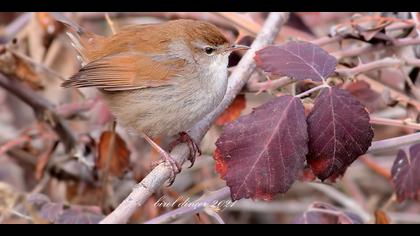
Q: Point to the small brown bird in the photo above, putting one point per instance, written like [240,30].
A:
[158,79]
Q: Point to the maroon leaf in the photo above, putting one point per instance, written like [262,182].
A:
[339,132]
[322,213]
[406,173]
[301,60]
[265,151]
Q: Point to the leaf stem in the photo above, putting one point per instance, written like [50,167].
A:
[312,90]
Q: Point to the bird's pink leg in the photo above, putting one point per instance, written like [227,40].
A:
[175,166]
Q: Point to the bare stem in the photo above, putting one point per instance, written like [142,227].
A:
[160,174]
[383,63]
[392,122]
[110,23]
[4,148]
[393,143]
[256,86]
[312,90]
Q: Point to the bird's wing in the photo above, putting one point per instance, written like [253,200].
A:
[127,71]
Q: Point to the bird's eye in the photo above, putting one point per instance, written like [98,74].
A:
[209,50]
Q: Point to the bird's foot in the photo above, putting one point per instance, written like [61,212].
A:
[173,164]
[192,145]
[167,158]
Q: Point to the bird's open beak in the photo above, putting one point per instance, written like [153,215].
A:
[236,47]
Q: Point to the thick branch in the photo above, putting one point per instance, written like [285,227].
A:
[157,177]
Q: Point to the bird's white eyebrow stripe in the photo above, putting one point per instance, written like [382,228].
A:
[201,44]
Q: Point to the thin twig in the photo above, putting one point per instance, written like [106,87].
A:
[383,63]
[70,110]
[342,199]
[213,214]
[159,175]
[4,148]
[393,143]
[18,214]
[256,86]
[369,162]
[391,122]
[110,23]
[312,90]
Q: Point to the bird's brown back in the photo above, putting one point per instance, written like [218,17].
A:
[153,38]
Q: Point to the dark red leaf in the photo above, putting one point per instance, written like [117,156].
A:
[381,218]
[221,166]
[339,132]
[301,60]
[406,173]
[265,150]
[323,213]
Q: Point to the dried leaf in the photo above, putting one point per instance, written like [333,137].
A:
[13,65]
[365,28]
[367,96]
[265,150]
[406,173]
[323,213]
[381,218]
[300,60]
[8,199]
[339,132]
[113,154]
[233,111]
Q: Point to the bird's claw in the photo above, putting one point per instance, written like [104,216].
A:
[194,148]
